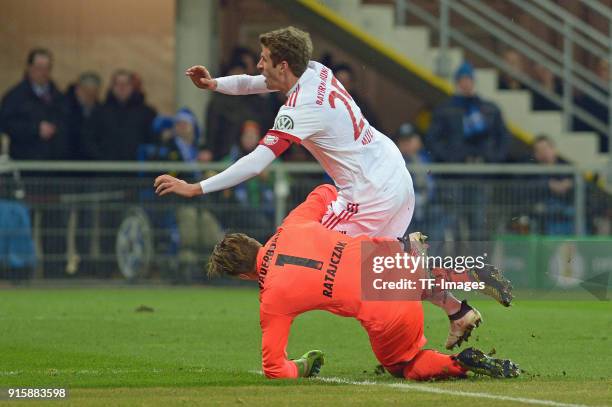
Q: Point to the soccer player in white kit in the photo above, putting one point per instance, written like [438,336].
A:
[376,195]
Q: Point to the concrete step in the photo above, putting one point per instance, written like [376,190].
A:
[549,123]
[343,6]
[580,147]
[412,42]
[378,21]
[486,81]
[514,104]
[601,160]
[455,55]
[350,10]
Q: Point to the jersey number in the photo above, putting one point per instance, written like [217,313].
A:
[343,95]
[283,259]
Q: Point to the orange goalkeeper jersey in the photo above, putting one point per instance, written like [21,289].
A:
[305,267]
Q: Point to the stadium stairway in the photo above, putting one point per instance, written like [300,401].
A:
[404,54]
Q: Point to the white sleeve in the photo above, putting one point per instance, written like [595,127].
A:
[296,124]
[247,167]
[242,85]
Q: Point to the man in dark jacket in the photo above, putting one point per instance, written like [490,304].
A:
[345,74]
[82,99]
[121,124]
[226,114]
[467,128]
[554,193]
[34,113]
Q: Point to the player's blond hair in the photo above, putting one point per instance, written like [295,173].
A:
[289,44]
[235,254]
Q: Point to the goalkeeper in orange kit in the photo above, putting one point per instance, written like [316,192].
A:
[305,267]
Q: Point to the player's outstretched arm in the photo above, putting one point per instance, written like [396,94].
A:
[229,85]
[167,184]
[246,168]
[201,78]
[242,85]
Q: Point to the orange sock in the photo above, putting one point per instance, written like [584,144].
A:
[429,364]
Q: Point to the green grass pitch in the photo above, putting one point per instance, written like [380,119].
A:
[201,346]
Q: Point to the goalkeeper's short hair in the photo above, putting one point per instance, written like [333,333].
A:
[236,254]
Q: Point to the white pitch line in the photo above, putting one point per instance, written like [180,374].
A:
[437,390]
[339,380]
[10,373]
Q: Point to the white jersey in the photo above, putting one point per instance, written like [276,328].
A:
[320,114]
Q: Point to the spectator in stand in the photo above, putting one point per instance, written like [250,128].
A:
[540,73]
[226,115]
[410,145]
[551,83]
[268,103]
[246,57]
[603,70]
[192,227]
[554,207]
[223,118]
[467,128]
[179,138]
[429,216]
[117,128]
[34,114]
[254,198]
[82,98]
[516,62]
[599,211]
[594,107]
[345,74]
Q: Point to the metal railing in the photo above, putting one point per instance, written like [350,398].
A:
[102,219]
[576,34]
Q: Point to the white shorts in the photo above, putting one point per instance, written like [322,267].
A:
[387,217]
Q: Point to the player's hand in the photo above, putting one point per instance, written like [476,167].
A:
[310,363]
[166,184]
[200,77]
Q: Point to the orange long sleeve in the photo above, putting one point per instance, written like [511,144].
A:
[275,333]
[315,205]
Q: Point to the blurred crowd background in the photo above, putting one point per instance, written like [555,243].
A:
[93,81]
